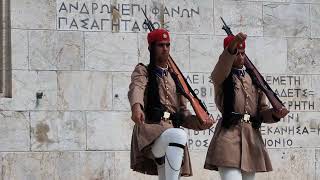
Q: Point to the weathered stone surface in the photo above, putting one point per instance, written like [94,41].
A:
[25,86]
[111,52]
[84,90]
[297,92]
[68,165]
[193,16]
[27,166]
[28,14]
[204,52]
[303,55]
[317,159]
[289,20]
[122,169]
[268,54]
[58,131]
[107,15]
[240,16]
[305,1]
[97,165]
[315,90]
[200,140]
[292,1]
[109,131]
[120,90]
[315,22]
[82,109]
[19,49]
[14,128]
[298,129]
[58,165]
[295,164]
[143,52]
[203,88]
[83,15]
[197,161]
[180,51]
[182,17]
[53,50]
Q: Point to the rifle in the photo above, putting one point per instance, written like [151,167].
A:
[257,78]
[184,87]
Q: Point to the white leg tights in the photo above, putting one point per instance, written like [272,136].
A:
[234,174]
[248,176]
[171,145]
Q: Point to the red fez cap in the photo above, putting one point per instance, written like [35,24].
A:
[158,35]
[230,38]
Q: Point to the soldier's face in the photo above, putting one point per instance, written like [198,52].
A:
[162,50]
[239,62]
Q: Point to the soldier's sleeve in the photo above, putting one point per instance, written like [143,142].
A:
[138,85]
[265,111]
[222,68]
[189,121]
[219,74]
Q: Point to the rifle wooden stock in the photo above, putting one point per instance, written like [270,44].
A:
[197,105]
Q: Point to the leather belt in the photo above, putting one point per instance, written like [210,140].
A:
[245,118]
[234,118]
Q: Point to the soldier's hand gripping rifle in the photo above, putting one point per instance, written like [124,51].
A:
[199,108]
[258,79]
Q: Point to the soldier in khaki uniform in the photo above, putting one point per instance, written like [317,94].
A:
[157,147]
[237,150]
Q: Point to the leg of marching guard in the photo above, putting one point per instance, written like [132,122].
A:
[171,145]
[161,172]
[174,154]
[230,173]
[248,176]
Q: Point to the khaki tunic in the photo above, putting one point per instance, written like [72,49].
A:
[240,146]
[144,135]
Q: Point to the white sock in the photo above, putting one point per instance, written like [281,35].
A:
[230,173]
[161,172]
[248,176]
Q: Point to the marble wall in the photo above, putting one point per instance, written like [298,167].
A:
[77,56]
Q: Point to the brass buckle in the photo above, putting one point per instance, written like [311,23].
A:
[166,116]
[246,118]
